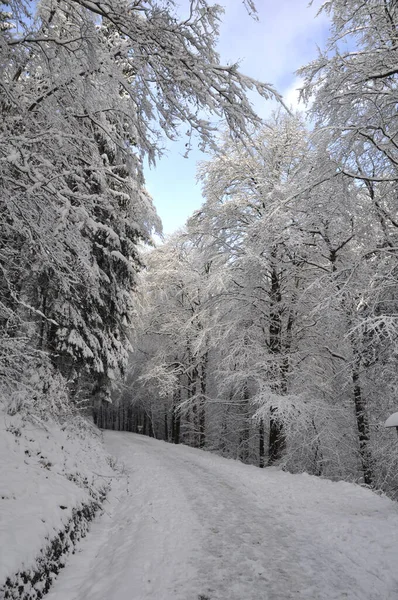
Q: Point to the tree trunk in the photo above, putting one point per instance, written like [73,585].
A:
[130,418]
[222,441]
[276,442]
[245,431]
[193,377]
[202,401]
[362,422]
[151,430]
[277,439]
[318,452]
[176,416]
[166,427]
[261,444]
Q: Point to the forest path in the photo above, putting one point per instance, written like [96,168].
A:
[184,524]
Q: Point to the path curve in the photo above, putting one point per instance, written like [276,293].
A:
[184,524]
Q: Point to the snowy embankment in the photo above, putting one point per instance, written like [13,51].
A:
[183,524]
[48,494]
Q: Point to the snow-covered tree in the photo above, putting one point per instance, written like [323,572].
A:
[173,335]
[279,282]
[88,90]
[354,84]
[247,216]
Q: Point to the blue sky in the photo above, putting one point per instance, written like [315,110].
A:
[271,50]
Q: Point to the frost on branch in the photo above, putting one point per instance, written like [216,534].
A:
[89,89]
[355,90]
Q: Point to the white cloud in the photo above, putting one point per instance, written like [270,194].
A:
[274,47]
[291,96]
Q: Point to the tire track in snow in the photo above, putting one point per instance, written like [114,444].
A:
[250,554]
[188,525]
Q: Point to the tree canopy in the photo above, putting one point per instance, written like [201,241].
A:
[88,91]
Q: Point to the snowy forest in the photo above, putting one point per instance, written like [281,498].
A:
[266,330]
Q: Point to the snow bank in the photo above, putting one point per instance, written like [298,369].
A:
[52,480]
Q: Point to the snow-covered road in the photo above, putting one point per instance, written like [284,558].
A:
[183,524]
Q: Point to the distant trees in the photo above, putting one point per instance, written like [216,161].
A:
[283,268]
[87,92]
[173,338]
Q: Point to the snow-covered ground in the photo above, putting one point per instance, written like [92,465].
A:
[47,470]
[183,524]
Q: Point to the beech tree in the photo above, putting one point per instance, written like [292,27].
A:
[354,95]
[173,334]
[355,89]
[247,216]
